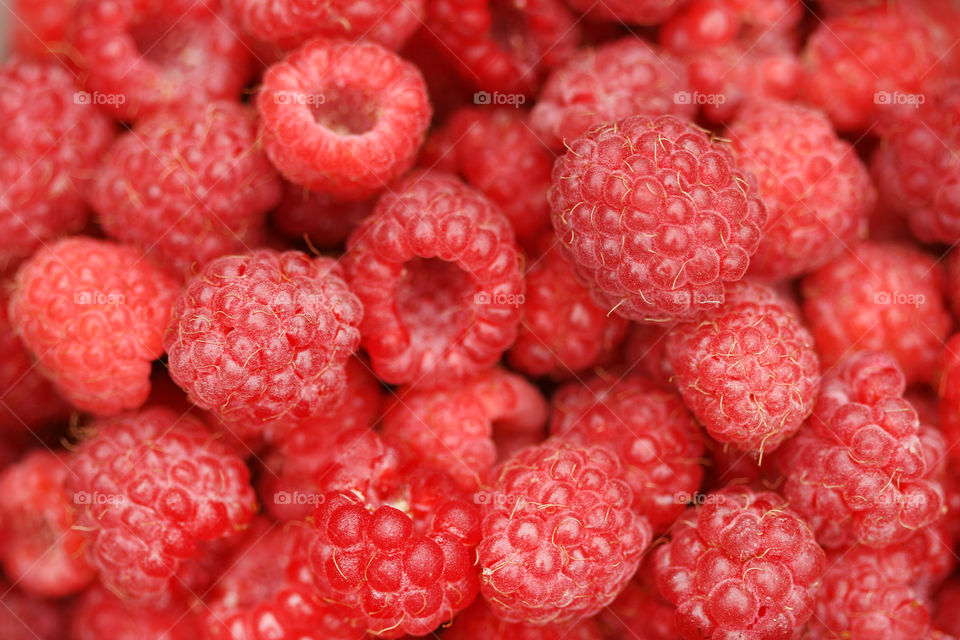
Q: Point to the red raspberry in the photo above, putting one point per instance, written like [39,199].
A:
[640,612]
[479,621]
[706,25]
[343,118]
[99,614]
[817,191]
[290,23]
[438,271]
[879,296]
[40,26]
[607,83]
[503,45]
[633,11]
[653,434]
[41,550]
[563,331]
[187,186]
[264,337]
[858,471]
[150,485]
[325,221]
[741,565]
[396,579]
[748,369]
[24,617]
[656,215]
[496,152]
[559,538]
[452,430]
[137,56]
[93,314]
[48,144]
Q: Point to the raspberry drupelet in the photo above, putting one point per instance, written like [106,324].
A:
[343,118]
[656,215]
[264,337]
[741,565]
[438,272]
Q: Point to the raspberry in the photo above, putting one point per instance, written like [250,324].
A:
[817,191]
[563,331]
[742,565]
[325,221]
[98,614]
[93,314]
[606,83]
[706,25]
[496,152]
[653,434]
[857,471]
[289,23]
[41,550]
[150,486]
[343,118]
[633,11]
[395,579]
[503,45]
[640,611]
[48,144]
[948,390]
[879,296]
[24,617]
[264,337]
[479,621]
[40,27]
[656,215]
[187,186]
[748,369]
[137,56]
[559,538]
[452,430]
[438,271]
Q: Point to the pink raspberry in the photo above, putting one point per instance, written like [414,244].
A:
[137,56]
[325,221]
[48,144]
[150,486]
[24,617]
[97,613]
[452,429]
[607,83]
[632,11]
[653,434]
[742,564]
[747,369]
[438,271]
[187,186]
[880,296]
[264,337]
[858,470]
[559,537]
[479,621]
[343,118]
[656,215]
[93,314]
[817,191]
[563,331]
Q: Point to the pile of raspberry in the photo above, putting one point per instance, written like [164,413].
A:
[480,320]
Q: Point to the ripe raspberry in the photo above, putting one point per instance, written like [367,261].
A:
[606,83]
[93,314]
[748,369]
[879,296]
[559,538]
[40,27]
[857,471]
[152,485]
[395,579]
[495,151]
[343,118]
[325,221]
[632,11]
[817,191]
[99,614]
[24,617]
[563,331]
[640,612]
[187,186]
[479,621]
[653,434]
[657,216]
[742,565]
[264,337]
[137,56]
[503,45]
[290,23]
[438,271]
[706,25]
[452,430]
[48,144]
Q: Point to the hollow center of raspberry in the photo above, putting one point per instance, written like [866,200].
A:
[434,302]
[346,111]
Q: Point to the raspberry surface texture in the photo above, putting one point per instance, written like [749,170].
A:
[97,613]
